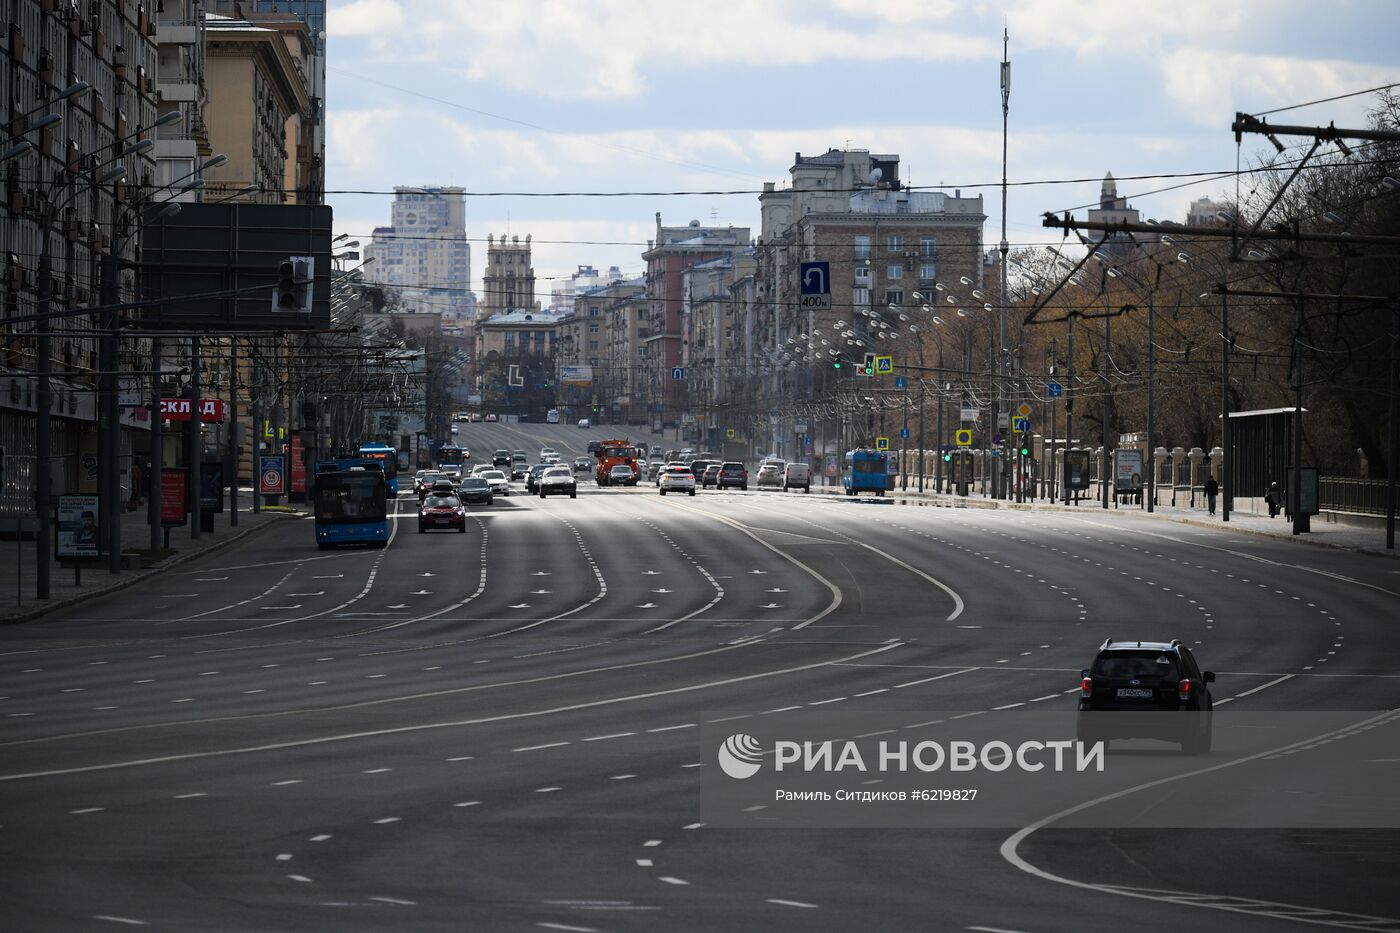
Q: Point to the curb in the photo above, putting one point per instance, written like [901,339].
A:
[144,574]
[943,500]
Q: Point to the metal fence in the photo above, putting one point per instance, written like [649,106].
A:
[1346,494]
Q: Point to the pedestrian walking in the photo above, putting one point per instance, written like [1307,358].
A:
[1274,499]
[1212,489]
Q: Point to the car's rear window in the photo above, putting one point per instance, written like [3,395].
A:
[1135,664]
[474,482]
[440,502]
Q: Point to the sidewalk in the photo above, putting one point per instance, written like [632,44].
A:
[1360,539]
[19,569]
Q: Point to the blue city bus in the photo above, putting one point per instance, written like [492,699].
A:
[451,457]
[388,458]
[866,471]
[351,503]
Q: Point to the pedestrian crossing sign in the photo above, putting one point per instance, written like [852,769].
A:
[882,443]
[884,365]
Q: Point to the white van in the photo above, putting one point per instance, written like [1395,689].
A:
[552,416]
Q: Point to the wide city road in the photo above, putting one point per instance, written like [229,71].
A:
[500,730]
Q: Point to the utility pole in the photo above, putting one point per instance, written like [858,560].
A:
[1005,247]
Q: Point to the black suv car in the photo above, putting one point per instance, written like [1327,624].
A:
[501,458]
[1146,677]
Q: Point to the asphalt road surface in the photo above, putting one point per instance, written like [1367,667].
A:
[499,730]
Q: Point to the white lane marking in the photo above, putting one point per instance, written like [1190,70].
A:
[301,878]
[86,810]
[190,796]
[284,857]
[1012,843]
[669,879]
[376,770]
[569,928]
[1277,680]
[421,727]
[786,903]
[692,825]
[995,930]
[535,748]
[468,803]
[329,576]
[915,683]
[644,863]
[1008,706]
[317,593]
[621,777]
[547,790]
[871,693]
[824,702]
[1051,696]
[387,819]
[461,758]
[611,735]
[113,918]
[321,838]
[684,725]
[286,783]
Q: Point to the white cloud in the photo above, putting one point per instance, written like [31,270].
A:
[366,18]
[1209,86]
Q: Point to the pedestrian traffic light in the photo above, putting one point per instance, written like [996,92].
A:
[293,293]
[868,365]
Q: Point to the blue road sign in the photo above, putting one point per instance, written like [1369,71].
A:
[901,382]
[815,279]
[1056,390]
[677,372]
[1021,425]
[904,432]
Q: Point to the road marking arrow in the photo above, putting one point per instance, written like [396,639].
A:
[539,592]
[651,573]
[397,606]
[521,606]
[647,606]
[771,606]
[423,593]
[540,573]
[775,590]
[663,590]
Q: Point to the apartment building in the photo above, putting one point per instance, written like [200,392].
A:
[424,253]
[79,83]
[668,255]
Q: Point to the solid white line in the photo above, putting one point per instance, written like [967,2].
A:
[423,727]
[1278,680]
[1010,845]
[914,683]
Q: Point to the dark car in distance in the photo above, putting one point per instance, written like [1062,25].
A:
[732,473]
[1159,682]
[476,489]
[501,458]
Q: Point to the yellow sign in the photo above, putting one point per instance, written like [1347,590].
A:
[884,364]
[729,433]
[1023,410]
[882,443]
[964,437]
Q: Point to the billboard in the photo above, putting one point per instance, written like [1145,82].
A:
[1128,475]
[1076,469]
[217,266]
[77,527]
[576,375]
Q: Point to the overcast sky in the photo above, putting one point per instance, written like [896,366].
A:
[641,96]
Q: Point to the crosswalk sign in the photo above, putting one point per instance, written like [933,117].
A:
[882,443]
[884,364]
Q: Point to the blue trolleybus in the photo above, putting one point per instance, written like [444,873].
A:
[351,503]
[866,471]
[388,458]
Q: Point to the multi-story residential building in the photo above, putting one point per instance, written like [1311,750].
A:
[516,361]
[182,146]
[668,255]
[562,293]
[424,253]
[312,14]
[1205,212]
[260,111]
[717,352]
[62,204]
[884,243]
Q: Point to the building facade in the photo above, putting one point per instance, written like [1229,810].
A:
[181,85]
[509,280]
[516,362]
[65,206]
[668,255]
[424,253]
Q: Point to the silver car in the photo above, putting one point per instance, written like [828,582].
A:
[558,480]
[500,483]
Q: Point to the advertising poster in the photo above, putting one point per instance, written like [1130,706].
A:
[1077,469]
[77,528]
[271,475]
[211,486]
[172,496]
[298,465]
[1128,477]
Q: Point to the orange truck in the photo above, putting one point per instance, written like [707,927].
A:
[610,454]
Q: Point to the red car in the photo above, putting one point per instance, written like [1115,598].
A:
[442,510]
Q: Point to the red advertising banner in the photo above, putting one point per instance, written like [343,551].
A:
[172,496]
[298,466]
[178,409]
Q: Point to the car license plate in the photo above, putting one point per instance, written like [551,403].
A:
[1134,693]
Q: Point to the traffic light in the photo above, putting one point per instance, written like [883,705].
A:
[947,456]
[836,362]
[293,294]
[1025,448]
[867,367]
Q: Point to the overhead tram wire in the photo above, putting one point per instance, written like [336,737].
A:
[1326,100]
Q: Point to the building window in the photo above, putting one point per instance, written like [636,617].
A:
[593,328]
[894,272]
[895,244]
[862,247]
[928,271]
[894,296]
[860,296]
[593,345]
[510,343]
[927,246]
[862,275]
